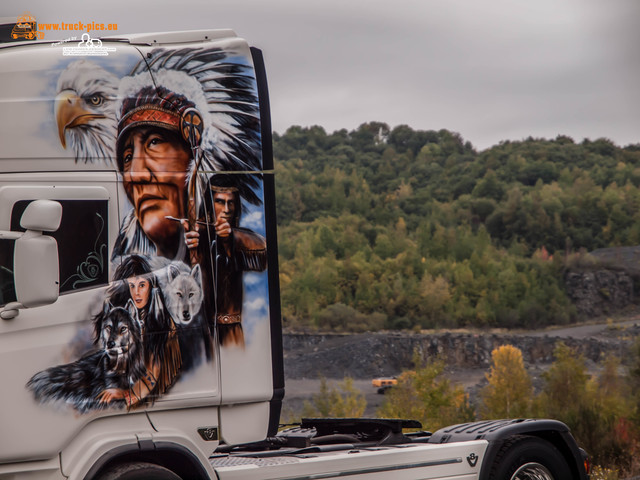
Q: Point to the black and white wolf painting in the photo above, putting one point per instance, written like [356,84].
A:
[118,363]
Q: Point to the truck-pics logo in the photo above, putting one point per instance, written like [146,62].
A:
[26,27]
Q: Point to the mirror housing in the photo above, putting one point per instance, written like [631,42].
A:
[42,216]
[36,271]
[35,261]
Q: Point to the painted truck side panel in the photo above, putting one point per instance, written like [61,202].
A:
[141,147]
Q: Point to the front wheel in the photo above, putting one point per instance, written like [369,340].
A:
[529,458]
[139,471]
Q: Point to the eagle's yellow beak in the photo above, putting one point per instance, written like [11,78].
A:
[70,113]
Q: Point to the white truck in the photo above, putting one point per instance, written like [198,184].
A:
[140,332]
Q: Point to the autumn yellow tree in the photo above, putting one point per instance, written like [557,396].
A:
[509,392]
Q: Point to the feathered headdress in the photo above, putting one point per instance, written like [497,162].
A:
[220,93]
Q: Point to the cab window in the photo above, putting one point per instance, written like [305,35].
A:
[7,285]
[82,242]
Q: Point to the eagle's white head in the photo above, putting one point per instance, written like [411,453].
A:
[85,111]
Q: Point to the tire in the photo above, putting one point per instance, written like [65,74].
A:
[529,458]
[139,471]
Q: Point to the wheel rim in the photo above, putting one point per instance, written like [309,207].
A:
[532,471]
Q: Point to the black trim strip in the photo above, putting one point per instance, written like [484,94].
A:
[265,108]
[277,361]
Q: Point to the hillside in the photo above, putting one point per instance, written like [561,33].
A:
[401,229]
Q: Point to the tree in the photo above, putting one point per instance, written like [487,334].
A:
[425,394]
[345,401]
[489,187]
[343,318]
[565,379]
[594,408]
[509,392]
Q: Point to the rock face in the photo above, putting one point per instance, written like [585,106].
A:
[599,292]
[366,356]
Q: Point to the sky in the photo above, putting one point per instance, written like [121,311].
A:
[491,70]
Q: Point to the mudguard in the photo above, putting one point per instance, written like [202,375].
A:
[496,432]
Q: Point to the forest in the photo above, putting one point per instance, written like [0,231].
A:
[382,228]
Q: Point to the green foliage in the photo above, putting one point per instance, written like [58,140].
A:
[596,409]
[343,401]
[343,318]
[379,219]
[634,371]
[426,395]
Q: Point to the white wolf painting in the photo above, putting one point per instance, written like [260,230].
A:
[183,297]
[183,293]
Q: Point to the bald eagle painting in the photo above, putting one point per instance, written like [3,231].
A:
[85,110]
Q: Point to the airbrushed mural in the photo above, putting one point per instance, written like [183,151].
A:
[182,128]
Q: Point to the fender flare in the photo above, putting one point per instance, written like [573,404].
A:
[496,432]
[173,456]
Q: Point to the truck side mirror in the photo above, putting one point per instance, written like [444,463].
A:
[35,263]
[42,216]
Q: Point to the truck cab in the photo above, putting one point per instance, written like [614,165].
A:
[122,335]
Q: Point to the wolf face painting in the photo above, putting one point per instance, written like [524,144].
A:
[184,298]
[118,363]
[120,335]
[183,294]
